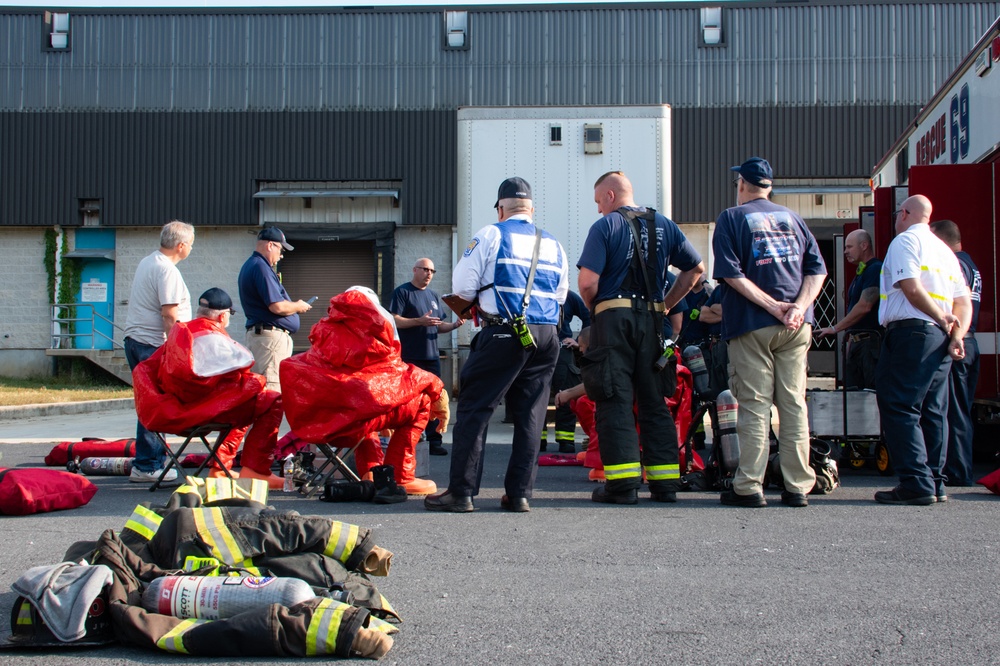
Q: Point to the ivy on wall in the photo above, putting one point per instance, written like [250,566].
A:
[69,274]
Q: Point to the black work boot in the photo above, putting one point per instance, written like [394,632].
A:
[386,490]
[349,491]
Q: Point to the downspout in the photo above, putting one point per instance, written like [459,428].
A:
[454,335]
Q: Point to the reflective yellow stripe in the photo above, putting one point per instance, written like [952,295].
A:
[379,624]
[343,538]
[173,640]
[212,491]
[882,297]
[183,490]
[623,471]
[661,472]
[321,637]
[939,297]
[24,613]
[144,522]
[212,529]
[565,434]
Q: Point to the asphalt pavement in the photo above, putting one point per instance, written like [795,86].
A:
[844,581]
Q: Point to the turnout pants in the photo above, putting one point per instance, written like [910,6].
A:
[566,375]
[618,372]
[497,366]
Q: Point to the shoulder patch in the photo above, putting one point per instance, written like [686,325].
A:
[471,246]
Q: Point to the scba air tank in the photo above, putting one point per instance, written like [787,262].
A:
[729,441]
[220,597]
[101,466]
[694,359]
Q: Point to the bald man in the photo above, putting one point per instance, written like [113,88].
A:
[926,311]
[626,297]
[864,335]
[418,313]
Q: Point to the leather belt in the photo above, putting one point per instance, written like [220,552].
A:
[492,320]
[613,303]
[257,328]
[858,337]
[909,323]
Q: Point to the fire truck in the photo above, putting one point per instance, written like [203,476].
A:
[951,154]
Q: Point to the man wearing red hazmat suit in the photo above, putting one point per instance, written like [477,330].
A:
[201,375]
[352,383]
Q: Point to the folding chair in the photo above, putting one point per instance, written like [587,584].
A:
[335,461]
[200,433]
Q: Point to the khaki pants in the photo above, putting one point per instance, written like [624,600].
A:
[269,349]
[768,366]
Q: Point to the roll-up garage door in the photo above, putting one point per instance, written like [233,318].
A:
[325,269]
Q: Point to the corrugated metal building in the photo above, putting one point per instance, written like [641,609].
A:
[148,115]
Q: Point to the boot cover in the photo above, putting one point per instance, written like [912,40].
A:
[420,487]
[273,482]
[355,491]
[386,490]
[377,562]
[370,643]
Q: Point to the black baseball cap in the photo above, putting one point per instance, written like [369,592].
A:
[755,171]
[216,299]
[513,188]
[274,234]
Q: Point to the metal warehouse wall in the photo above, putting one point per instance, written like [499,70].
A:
[392,59]
[817,142]
[148,168]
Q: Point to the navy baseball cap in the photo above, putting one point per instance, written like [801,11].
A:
[216,299]
[513,188]
[274,234]
[755,171]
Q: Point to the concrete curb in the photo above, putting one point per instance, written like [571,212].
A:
[64,408]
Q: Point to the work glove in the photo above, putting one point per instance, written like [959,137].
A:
[439,411]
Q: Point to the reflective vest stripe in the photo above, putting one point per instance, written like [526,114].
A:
[144,522]
[662,472]
[623,471]
[321,637]
[173,640]
[343,538]
[214,489]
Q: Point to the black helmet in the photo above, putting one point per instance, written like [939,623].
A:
[28,630]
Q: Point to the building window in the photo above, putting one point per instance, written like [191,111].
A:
[55,31]
[593,139]
[555,135]
[90,212]
[711,27]
[456,31]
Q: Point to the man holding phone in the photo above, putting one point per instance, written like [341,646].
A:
[417,311]
[272,317]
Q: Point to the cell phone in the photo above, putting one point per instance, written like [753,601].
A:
[312,300]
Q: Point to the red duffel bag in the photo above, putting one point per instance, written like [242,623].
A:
[63,452]
[30,490]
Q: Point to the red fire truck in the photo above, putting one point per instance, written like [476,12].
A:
[951,154]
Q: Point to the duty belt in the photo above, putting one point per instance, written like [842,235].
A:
[492,320]
[257,328]
[612,303]
[909,323]
[858,337]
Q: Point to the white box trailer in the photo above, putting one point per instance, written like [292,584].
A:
[560,151]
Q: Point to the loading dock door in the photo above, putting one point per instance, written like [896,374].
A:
[325,269]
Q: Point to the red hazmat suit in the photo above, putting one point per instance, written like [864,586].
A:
[200,375]
[352,383]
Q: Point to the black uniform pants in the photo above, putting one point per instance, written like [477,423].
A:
[618,373]
[961,391]
[862,358]
[497,366]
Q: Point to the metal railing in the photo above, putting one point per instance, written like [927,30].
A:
[63,318]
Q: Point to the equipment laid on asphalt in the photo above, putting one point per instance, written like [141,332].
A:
[28,490]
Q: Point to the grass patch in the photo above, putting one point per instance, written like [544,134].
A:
[57,389]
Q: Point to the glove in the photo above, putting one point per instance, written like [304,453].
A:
[439,411]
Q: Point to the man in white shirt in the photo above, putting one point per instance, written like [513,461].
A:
[159,298]
[926,310]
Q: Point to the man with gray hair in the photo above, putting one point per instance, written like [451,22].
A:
[158,300]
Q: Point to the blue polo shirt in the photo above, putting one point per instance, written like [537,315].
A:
[772,247]
[259,288]
[608,252]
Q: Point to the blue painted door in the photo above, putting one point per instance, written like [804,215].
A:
[97,289]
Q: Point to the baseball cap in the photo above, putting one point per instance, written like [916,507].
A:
[513,188]
[274,234]
[216,299]
[755,171]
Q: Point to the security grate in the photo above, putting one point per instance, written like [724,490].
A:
[825,313]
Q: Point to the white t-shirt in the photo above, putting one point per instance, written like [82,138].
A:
[918,253]
[157,283]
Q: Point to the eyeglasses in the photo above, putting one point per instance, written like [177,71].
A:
[429,270]
[895,213]
[231,312]
[736,181]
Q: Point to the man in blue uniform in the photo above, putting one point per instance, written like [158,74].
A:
[964,372]
[926,310]
[514,354]
[566,373]
[418,313]
[770,271]
[272,316]
[864,335]
[624,289]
